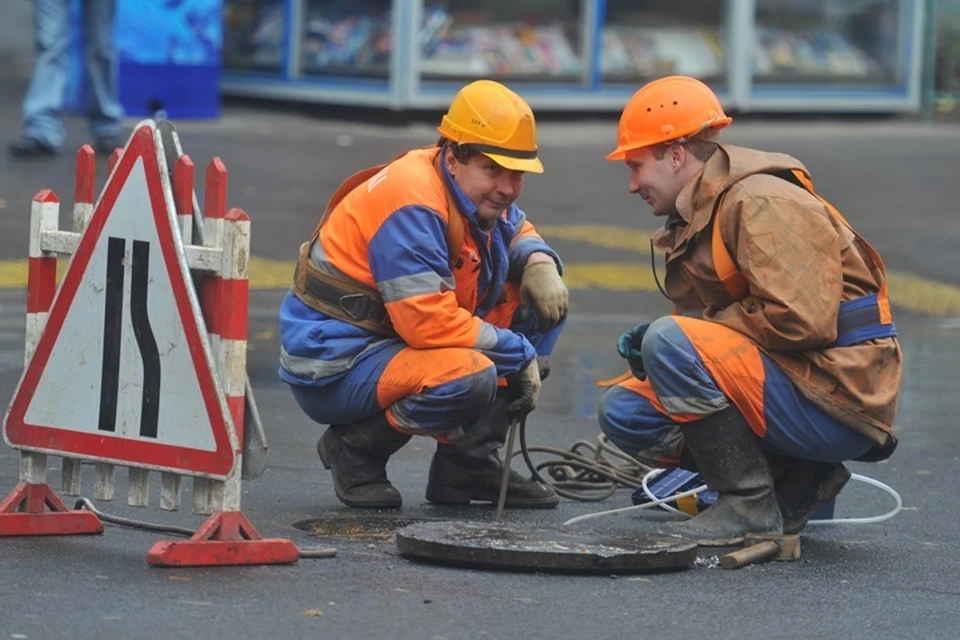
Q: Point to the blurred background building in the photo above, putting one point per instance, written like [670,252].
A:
[769,55]
[799,56]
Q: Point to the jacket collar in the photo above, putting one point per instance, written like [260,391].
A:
[464,204]
[697,199]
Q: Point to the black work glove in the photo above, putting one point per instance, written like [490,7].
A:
[525,387]
[628,346]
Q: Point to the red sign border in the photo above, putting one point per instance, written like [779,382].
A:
[102,446]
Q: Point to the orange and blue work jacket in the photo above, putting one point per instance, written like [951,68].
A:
[389,233]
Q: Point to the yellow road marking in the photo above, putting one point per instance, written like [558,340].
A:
[907,291]
[606,236]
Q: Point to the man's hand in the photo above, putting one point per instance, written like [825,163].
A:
[542,287]
[526,387]
[628,346]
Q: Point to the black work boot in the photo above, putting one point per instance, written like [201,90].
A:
[27,148]
[356,455]
[803,485]
[730,460]
[470,468]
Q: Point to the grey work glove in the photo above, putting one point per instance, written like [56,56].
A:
[526,389]
[542,288]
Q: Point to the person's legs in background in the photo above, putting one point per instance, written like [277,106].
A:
[103,105]
[43,131]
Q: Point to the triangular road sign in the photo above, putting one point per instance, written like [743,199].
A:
[122,372]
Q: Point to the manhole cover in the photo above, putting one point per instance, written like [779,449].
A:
[359,526]
[510,548]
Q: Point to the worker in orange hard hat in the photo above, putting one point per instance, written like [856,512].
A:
[781,360]
[425,303]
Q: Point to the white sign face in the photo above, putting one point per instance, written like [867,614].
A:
[122,370]
[149,396]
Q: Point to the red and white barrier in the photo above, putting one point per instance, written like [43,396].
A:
[33,508]
[215,332]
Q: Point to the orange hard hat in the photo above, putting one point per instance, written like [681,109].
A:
[488,117]
[667,109]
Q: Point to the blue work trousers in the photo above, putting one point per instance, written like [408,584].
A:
[697,368]
[434,392]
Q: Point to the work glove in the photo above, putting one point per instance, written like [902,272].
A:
[526,389]
[628,346]
[542,288]
[543,364]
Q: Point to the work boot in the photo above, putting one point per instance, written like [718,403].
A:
[356,455]
[27,148]
[803,485]
[107,144]
[730,460]
[470,468]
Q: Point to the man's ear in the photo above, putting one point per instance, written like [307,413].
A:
[678,156]
[450,160]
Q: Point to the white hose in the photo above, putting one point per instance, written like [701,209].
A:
[662,503]
[870,519]
[646,505]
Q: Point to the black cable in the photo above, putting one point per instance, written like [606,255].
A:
[577,477]
[85,503]
[653,267]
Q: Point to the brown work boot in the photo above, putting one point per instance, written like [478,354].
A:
[730,460]
[470,468]
[356,455]
[803,485]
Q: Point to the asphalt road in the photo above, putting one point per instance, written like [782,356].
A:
[895,180]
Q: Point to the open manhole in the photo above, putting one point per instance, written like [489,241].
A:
[366,525]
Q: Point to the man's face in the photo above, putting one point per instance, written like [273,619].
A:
[657,181]
[488,185]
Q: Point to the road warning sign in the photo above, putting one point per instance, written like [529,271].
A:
[123,370]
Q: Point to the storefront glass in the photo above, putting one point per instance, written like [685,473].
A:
[524,40]
[254,35]
[346,37]
[852,42]
[641,41]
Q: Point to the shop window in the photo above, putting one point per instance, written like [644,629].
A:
[528,40]
[346,37]
[253,35]
[642,41]
[828,41]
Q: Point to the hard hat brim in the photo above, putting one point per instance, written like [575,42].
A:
[531,165]
[620,153]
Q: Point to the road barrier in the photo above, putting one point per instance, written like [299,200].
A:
[138,358]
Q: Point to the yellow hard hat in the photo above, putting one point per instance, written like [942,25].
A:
[487,117]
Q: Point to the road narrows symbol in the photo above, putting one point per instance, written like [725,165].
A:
[112,324]
[149,354]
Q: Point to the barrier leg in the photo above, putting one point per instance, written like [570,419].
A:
[226,538]
[24,513]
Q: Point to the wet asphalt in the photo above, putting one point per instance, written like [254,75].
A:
[894,179]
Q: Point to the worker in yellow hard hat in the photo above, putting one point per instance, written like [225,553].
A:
[781,360]
[425,303]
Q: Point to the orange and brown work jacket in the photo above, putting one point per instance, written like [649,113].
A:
[797,262]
